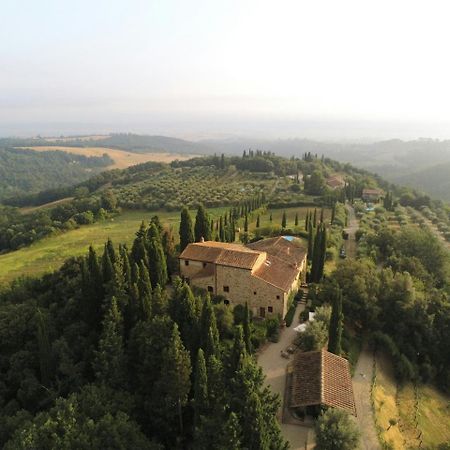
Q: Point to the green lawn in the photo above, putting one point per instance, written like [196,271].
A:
[49,253]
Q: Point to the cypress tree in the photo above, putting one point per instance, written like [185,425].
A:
[159,301]
[238,351]
[109,358]
[321,215]
[333,212]
[111,251]
[315,218]
[96,293]
[257,221]
[209,334]
[336,321]
[138,250]
[221,230]
[44,349]
[323,251]
[316,256]
[283,220]
[307,221]
[247,329]
[246,224]
[200,389]
[186,232]
[202,228]
[156,259]
[172,388]
[107,266]
[296,220]
[310,244]
[270,217]
[126,266]
[144,285]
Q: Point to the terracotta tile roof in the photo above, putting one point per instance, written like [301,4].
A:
[335,182]
[222,253]
[322,378]
[277,273]
[281,248]
[372,191]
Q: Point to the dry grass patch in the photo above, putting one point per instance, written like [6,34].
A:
[385,407]
[122,158]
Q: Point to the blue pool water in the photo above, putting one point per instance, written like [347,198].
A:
[289,238]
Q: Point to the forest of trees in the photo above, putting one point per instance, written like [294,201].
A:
[98,355]
[25,171]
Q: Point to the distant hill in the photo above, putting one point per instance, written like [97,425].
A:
[435,180]
[126,141]
[26,171]
[396,160]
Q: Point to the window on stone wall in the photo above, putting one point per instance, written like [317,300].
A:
[210,289]
[270,309]
[226,302]
[254,292]
[226,289]
[204,265]
[186,262]
[278,297]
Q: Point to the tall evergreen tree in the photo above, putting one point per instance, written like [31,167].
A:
[246,224]
[296,220]
[186,231]
[44,348]
[157,261]
[202,228]
[209,334]
[109,358]
[315,218]
[257,221]
[144,285]
[172,388]
[336,323]
[246,329]
[283,220]
[200,389]
[310,244]
[138,250]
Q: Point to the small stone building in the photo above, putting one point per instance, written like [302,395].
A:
[320,379]
[262,274]
[371,195]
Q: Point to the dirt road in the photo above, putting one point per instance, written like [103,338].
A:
[274,368]
[361,388]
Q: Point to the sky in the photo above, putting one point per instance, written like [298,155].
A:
[210,66]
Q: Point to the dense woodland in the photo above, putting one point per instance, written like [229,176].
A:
[25,171]
[98,355]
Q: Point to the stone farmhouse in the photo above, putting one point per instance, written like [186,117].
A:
[263,274]
[371,195]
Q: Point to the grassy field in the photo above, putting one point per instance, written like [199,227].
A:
[122,159]
[433,413]
[48,254]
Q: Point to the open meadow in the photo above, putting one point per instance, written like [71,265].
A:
[48,254]
[429,423]
[122,158]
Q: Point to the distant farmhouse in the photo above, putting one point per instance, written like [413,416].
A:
[262,274]
[335,182]
[372,195]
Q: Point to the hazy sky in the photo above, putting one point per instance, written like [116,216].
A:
[122,62]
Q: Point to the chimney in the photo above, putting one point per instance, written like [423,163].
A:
[202,239]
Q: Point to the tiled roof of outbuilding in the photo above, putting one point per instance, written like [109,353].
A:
[322,378]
